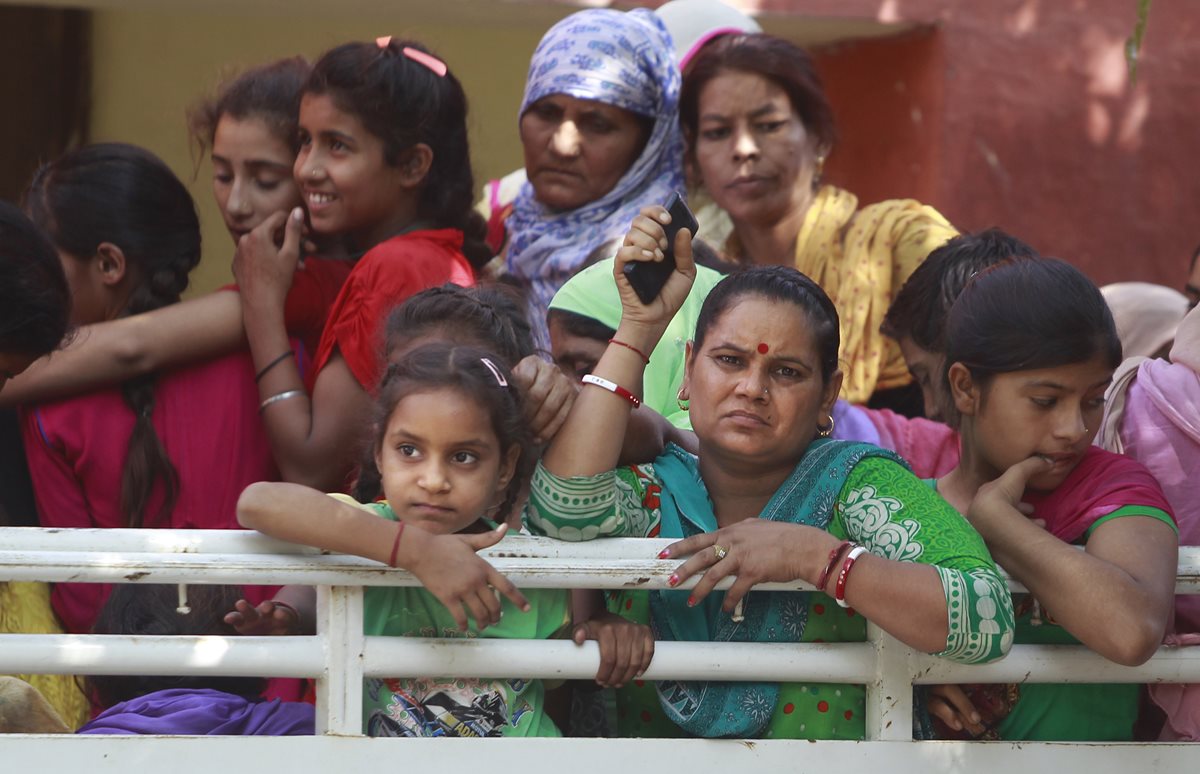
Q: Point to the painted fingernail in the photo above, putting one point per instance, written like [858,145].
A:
[673,580]
[691,601]
[665,553]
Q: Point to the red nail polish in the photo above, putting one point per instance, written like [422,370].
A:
[663,554]
[691,601]
[673,580]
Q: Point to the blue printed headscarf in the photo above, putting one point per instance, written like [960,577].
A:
[619,58]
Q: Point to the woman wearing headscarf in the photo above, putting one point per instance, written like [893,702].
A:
[692,25]
[600,132]
[1152,414]
[1146,316]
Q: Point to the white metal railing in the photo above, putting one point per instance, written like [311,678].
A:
[339,655]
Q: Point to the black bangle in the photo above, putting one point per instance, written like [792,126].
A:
[258,376]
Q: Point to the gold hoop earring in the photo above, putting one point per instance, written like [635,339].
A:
[681,401]
[825,432]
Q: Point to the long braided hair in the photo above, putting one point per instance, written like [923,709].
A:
[126,196]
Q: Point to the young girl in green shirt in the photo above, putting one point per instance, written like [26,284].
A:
[451,447]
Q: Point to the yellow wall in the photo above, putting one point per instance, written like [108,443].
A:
[151,65]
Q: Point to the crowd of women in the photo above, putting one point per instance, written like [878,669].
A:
[856,397]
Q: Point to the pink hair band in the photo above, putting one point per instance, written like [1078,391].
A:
[429,60]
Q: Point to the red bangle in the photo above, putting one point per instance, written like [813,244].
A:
[396,546]
[612,387]
[641,354]
[839,594]
[834,555]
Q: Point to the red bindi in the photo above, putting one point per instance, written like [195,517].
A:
[763,348]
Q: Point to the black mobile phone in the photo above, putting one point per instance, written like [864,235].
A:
[648,278]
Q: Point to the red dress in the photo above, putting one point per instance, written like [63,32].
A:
[384,277]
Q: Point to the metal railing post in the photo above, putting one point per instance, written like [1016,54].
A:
[339,689]
[889,695]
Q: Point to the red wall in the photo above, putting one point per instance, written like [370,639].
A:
[1020,114]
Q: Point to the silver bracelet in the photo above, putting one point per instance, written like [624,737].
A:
[278,397]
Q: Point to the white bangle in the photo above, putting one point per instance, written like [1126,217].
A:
[612,387]
[278,397]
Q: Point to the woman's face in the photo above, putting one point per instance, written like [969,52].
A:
[927,369]
[576,150]
[751,149]
[755,385]
[1054,412]
[576,356]
[252,173]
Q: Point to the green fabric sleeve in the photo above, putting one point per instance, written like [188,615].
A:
[1134,510]
[619,503]
[895,515]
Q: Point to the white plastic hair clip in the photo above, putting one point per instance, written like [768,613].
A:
[183,608]
[495,372]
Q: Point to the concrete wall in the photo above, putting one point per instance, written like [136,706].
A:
[151,65]
[1015,113]
[1025,118]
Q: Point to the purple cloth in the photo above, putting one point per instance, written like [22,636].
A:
[204,712]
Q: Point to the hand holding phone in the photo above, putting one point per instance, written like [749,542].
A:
[646,277]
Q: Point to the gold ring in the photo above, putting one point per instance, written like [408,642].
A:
[719,551]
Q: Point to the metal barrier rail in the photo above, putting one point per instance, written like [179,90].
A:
[339,655]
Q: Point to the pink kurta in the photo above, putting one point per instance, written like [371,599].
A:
[206,416]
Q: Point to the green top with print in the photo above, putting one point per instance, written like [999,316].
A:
[882,506]
[450,706]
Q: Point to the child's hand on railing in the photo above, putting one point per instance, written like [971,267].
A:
[449,568]
[268,618]
[625,647]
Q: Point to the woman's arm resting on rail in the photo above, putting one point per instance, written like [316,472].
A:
[905,584]
[1115,596]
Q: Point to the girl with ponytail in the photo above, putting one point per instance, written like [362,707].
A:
[384,168]
[162,450]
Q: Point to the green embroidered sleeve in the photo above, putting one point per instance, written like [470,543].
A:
[619,503]
[894,515]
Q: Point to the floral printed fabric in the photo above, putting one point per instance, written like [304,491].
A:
[882,506]
[618,58]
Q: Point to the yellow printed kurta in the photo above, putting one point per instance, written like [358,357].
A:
[25,609]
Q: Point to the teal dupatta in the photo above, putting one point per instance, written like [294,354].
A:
[808,496]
